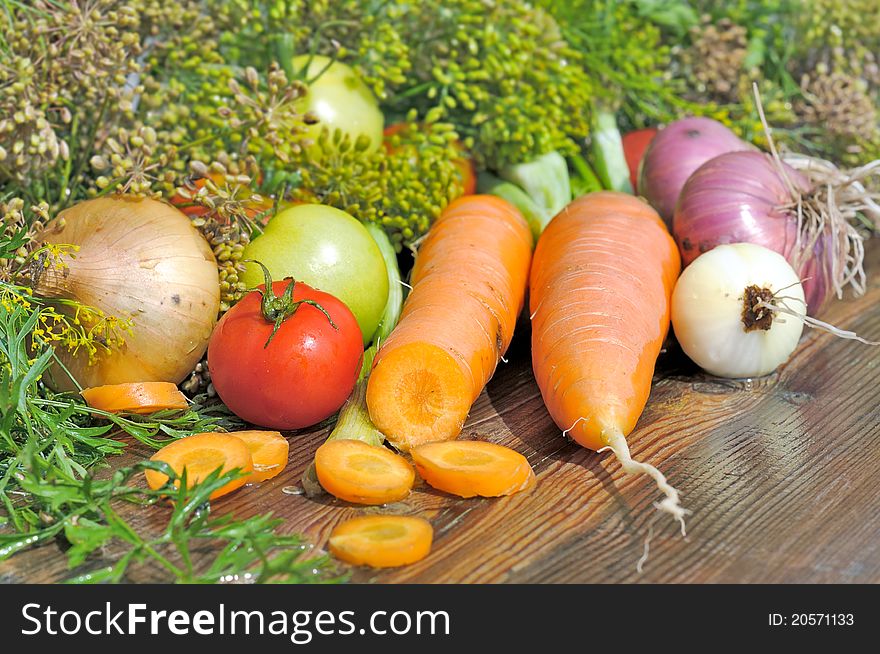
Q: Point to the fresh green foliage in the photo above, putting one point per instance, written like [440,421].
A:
[43,433]
[500,72]
[91,515]
[583,178]
[622,49]
[361,33]
[674,16]
[401,187]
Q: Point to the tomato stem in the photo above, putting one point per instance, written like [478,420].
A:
[277,309]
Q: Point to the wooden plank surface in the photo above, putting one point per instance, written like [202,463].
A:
[781,475]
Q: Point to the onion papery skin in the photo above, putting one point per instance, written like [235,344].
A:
[741,197]
[675,153]
[138,259]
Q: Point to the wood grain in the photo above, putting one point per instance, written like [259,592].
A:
[780,475]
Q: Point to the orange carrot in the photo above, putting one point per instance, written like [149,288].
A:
[269,450]
[361,473]
[382,541]
[468,285]
[469,468]
[601,281]
[200,455]
[142,397]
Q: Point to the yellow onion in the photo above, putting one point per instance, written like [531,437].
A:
[141,260]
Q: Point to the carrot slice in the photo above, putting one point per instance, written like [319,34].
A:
[140,397]
[469,468]
[382,541]
[269,450]
[357,472]
[200,455]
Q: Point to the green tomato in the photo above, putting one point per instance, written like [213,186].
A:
[340,100]
[329,250]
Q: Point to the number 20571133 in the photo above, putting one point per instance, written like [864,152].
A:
[811,620]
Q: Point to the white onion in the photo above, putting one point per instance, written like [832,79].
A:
[720,310]
[142,260]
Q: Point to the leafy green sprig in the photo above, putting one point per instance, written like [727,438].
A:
[90,514]
[626,49]
[43,433]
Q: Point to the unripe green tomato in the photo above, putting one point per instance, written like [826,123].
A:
[329,250]
[340,100]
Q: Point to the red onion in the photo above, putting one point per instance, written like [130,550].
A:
[750,197]
[676,152]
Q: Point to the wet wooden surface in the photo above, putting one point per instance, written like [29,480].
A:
[781,474]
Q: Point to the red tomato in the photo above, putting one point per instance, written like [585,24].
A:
[634,146]
[304,374]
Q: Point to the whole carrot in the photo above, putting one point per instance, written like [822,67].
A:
[469,283]
[601,281]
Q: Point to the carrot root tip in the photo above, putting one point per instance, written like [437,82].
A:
[670,504]
[647,548]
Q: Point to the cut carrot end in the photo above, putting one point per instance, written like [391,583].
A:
[269,451]
[200,455]
[470,468]
[417,393]
[382,541]
[357,472]
[140,397]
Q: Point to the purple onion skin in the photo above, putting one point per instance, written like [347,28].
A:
[739,197]
[676,152]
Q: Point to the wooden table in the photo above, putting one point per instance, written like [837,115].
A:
[781,475]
